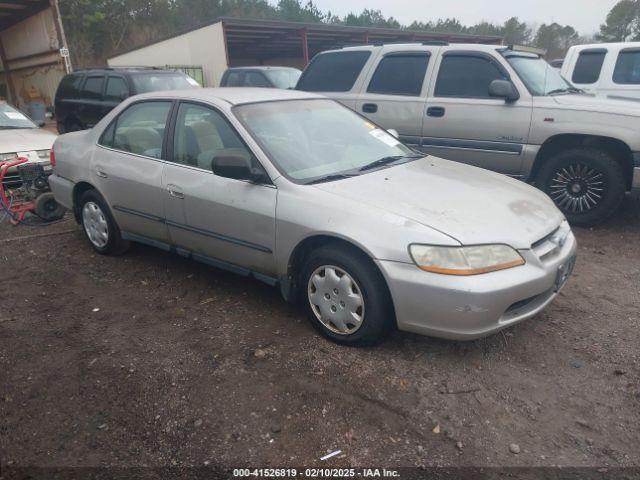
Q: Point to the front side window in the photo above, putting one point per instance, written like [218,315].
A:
[540,78]
[139,129]
[117,89]
[93,88]
[255,79]
[627,71]
[466,76]
[333,72]
[310,139]
[201,134]
[400,75]
[588,67]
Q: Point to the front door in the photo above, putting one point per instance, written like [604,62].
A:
[463,123]
[127,169]
[223,221]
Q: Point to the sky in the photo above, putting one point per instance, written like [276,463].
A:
[584,15]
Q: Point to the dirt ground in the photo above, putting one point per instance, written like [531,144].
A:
[152,360]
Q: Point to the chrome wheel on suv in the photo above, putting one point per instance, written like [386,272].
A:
[577,188]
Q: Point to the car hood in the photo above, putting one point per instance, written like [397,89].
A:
[25,140]
[592,103]
[472,205]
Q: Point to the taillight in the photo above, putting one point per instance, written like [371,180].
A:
[52,158]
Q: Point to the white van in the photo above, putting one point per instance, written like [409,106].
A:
[605,69]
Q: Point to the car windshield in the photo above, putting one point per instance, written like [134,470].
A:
[319,140]
[285,78]
[11,118]
[540,78]
[157,82]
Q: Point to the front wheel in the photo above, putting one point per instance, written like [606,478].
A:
[345,295]
[586,184]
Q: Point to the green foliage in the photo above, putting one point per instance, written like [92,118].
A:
[622,23]
[555,39]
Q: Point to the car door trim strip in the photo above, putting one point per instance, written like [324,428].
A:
[485,146]
[199,231]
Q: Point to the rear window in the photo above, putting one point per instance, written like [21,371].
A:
[93,88]
[158,82]
[255,79]
[627,71]
[588,66]
[333,72]
[400,74]
[233,79]
[70,86]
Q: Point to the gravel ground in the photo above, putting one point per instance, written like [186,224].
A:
[152,360]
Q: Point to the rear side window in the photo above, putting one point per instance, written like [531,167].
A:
[233,79]
[139,129]
[70,86]
[400,74]
[255,79]
[117,89]
[627,71]
[466,76]
[588,66]
[93,88]
[333,72]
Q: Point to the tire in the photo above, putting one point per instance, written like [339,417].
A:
[47,208]
[348,278]
[99,226]
[586,184]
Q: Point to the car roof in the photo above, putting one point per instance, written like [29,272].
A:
[234,95]
[417,46]
[611,45]
[125,70]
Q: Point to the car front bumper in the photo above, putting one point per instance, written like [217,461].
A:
[466,308]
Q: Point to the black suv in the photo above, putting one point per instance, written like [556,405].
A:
[85,96]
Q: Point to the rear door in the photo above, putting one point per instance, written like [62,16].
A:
[338,74]
[394,92]
[90,106]
[463,123]
[222,221]
[127,169]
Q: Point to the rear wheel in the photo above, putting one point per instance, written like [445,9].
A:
[47,208]
[586,184]
[345,295]
[99,225]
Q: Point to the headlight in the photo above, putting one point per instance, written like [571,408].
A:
[7,156]
[465,260]
[44,154]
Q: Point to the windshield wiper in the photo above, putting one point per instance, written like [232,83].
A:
[387,160]
[565,90]
[331,178]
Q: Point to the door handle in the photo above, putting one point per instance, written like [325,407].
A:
[435,111]
[101,173]
[174,192]
[370,108]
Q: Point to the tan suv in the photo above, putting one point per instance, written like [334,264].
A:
[497,108]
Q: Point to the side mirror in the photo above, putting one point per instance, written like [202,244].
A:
[504,89]
[393,132]
[238,168]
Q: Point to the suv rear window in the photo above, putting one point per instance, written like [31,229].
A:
[588,66]
[400,74]
[627,71]
[70,86]
[333,72]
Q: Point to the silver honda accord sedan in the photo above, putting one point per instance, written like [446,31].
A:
[304,194]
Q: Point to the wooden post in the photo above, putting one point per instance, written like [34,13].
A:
[7,72]
[62,39]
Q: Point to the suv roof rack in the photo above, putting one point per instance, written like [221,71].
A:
[523,48]
[122,68]
[441,43]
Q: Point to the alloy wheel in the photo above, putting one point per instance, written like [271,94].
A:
[577,188]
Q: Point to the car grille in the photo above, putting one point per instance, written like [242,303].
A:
[550,245]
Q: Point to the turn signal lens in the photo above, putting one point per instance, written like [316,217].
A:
[52,158]
[472,260]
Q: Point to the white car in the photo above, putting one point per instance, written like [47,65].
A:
[605,69]
[21,137]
